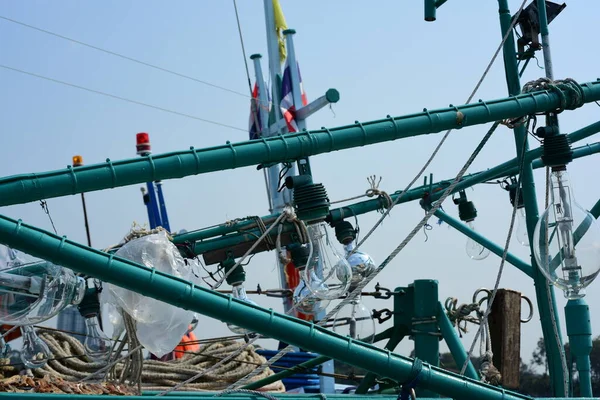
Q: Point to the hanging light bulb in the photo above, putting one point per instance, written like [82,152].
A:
[4,348]
[566,240]
[467,213]
[96,344]
[356,321]
[361,264]
[303,298]
[521,232]
[35,292]
[236,279]
[239,292]
[35,352]
[328,273]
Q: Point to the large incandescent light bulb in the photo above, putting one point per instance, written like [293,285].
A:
[327,273]
[35,352]
[356,321]
[303,298]
[467,213]
[566,240]
[239,292]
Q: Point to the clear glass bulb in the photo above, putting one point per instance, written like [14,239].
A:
[37,291]
[5,348]
[474,249]
[521,231]
[35,352]
[239,292]
[327,273]
[356,321]
[96,344]
[571,257]
[306,302]
[361,264]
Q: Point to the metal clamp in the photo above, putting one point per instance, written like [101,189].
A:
[382,315]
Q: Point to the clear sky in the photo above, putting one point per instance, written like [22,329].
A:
[381,56]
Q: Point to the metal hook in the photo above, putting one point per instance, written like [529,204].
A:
[480,302]
[530,316]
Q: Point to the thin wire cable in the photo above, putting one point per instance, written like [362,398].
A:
[439,146]
[502,261]
[356,292]
[121,98]
[123,56]
[563,358]
[428,215]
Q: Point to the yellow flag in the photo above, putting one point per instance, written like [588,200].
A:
[280,26]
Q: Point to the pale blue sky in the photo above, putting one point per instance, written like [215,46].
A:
[382,57]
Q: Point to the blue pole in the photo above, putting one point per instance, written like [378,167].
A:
[153,214]
[163,207]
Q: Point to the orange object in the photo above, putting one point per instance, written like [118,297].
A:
[11,336]
[189,343]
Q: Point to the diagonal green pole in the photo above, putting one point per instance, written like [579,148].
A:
[25,188]
[544,293]
[186,295]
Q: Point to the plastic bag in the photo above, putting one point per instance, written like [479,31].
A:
[160,326]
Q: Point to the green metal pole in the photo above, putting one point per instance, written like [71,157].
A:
[247,231]
[579,330]
[544,294]
[32,187]
[424,325]
[454,344]
[184,294]
[482,240]
[369,379]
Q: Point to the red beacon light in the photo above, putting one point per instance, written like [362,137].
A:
[142,143]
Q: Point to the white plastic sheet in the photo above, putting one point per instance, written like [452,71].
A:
[160,326]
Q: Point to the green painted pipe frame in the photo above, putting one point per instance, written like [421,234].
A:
[200,242]
[184,294]
[546,300]
[25,188]
[507,168]
[482,240]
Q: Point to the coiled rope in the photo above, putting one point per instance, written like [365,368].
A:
[71,364]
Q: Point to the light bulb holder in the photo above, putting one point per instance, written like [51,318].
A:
[466,209]
[238,276]
[512,193]
[345,232]
[299,254]
[90,305]
[557,151]
[310,199]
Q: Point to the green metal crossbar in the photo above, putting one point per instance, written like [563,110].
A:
[32,187]
[183,294]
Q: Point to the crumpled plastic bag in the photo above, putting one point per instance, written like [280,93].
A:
[160,326]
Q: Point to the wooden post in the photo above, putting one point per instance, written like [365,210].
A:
[505,332]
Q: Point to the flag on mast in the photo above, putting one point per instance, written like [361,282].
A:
[256,124]
[280,26]
[288,109]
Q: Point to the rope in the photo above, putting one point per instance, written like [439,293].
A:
[288,214]
[248,391]
[548,288]
[575,99]
[371,192]
[71,365]
[461,314]
[394,253]
[484,318]
[439,146]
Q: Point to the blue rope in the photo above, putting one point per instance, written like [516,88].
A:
[413,379]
